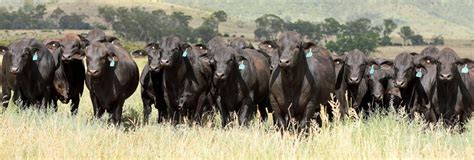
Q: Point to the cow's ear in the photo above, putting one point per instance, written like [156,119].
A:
[413,53]
[201,46]
[111,56]
[463,61]
[53,45]
[153,45]
[84,42]
[267,46]
[139,53]
[3,50]
[183,46]
[308,45]
[111,39]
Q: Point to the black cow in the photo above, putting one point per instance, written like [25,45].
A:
[183,69]
[426,72]
[380,74]
[241,79]
[452,95]
[29,68]
[151,81]
[239,43]
[60,82]
[405,79]
[355,79]
[112,77]
[72,47]
[97,35]
[302,81]
[341,88]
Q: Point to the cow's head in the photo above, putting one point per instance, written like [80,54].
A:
[404,69]
[100,57]
[354,66]
[291,49]
[271,49]
[153,52]
[172,50]
[226,61]
[447,65]
[72,44]
[379,71]
[24,51]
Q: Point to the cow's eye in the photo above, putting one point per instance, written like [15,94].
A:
[428,61]
[269,46]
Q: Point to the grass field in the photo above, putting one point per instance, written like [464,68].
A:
[36,135]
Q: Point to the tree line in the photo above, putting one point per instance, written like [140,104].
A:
[36,17]
[339,37]
[138,24]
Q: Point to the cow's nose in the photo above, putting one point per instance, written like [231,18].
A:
[284,62]
[92,71]
[165,61]
[378,96]
[354,79]
[154,67]
[14,69]
[219,75]
[399,83]
[445,76]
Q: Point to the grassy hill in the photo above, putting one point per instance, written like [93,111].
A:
[453,20]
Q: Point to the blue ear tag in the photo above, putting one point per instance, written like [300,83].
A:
[465,69]
[185,53]
[372,70]
[35,56]
[112,64]
[419,74]
[309,53]
[241,65]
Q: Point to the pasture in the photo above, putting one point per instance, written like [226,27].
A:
[36,135]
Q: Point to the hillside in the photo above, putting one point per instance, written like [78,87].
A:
[428,17]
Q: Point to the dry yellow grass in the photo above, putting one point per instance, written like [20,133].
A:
[36,135]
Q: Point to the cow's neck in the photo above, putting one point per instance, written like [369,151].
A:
[177,73]
[295,76]
[448,92]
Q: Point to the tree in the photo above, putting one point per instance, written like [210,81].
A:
[73,21]
[406,33]
[108,13]
[39,12]
[438,40]
[57,13]
[417,40]
[270,24]
[388,27]
[357,34]
[305,28]
[330,27]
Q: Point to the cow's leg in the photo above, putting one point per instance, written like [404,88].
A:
[96,106]
[224,112]
[147,101]
[262,108]
[304,122]
[116,115]
[162,107]
[6,94]
[75,104]
[199,108]
[247,111]
[46,98]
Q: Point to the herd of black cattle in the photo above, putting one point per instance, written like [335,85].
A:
[287,77]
